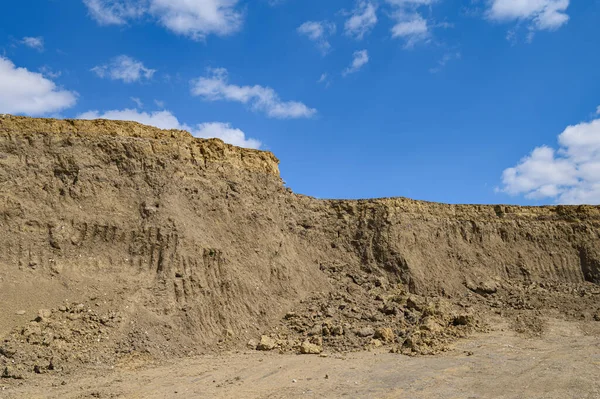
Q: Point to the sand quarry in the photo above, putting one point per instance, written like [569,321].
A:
[143,263]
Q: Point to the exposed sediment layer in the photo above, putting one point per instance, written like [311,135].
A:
[197,237]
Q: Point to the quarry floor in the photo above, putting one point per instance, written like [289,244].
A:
[563,363]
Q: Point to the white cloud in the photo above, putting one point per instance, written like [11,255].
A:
[46,71]
[30,93]
[541,14]
[124,68]
[34,42]
[444,60]
[362,19]
[570,175]
[318,33]
[361,58]
[410,24]
[215,86]
[114,12]
[166,120]
[137,102]
[225,132]
[159,104]
[324,79]
[194,19]
[598,110]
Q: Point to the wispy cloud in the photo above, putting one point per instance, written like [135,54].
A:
[34,42]
[446,58]
[124,68]
[137,102]
[215,86]
[318,32]
[193,19]
[362,19]
[360,59]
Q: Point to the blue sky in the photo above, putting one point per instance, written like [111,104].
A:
[493,101]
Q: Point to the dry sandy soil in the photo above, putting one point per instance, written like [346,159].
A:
[136,262]
[564,363]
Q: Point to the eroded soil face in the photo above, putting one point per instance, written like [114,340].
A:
[126,245]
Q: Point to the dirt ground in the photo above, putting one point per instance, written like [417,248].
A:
[563,363]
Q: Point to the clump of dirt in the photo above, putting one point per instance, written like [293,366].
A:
[60,340]
[366,311]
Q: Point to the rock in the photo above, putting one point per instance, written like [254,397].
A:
[390,309]
[290,315]
[385,334]
[229,334]
[462,320]
[20,312]
[12,372]
[366,332]
[414,303]
[7,352]
[310,349]
[487,288]
[375,343]
[266,344]
[337,330]
[43,315]
[430,324]
[252,344]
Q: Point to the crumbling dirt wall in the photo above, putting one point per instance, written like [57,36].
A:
[203,236]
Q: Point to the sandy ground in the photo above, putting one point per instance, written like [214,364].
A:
[564,363]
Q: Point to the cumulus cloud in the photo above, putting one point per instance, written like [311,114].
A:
[30,93]
[124,68]
[569,175]
[540,14]
[215,86]
[360,59]
[318,33]
[194,19]
[34,42]
[362,19]
[166,120]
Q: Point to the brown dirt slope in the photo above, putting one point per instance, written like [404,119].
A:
[143,243]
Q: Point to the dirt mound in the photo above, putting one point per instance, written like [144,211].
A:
[195,245]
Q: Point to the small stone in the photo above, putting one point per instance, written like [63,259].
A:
[365,332]
[266,343]
[43,315]
[310,349]
[375,343]
[290,315]
[337,330]
[294,381]
[252,344]
[414,303]
[430,324]
[20,312]
[385,334]
[11,372]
